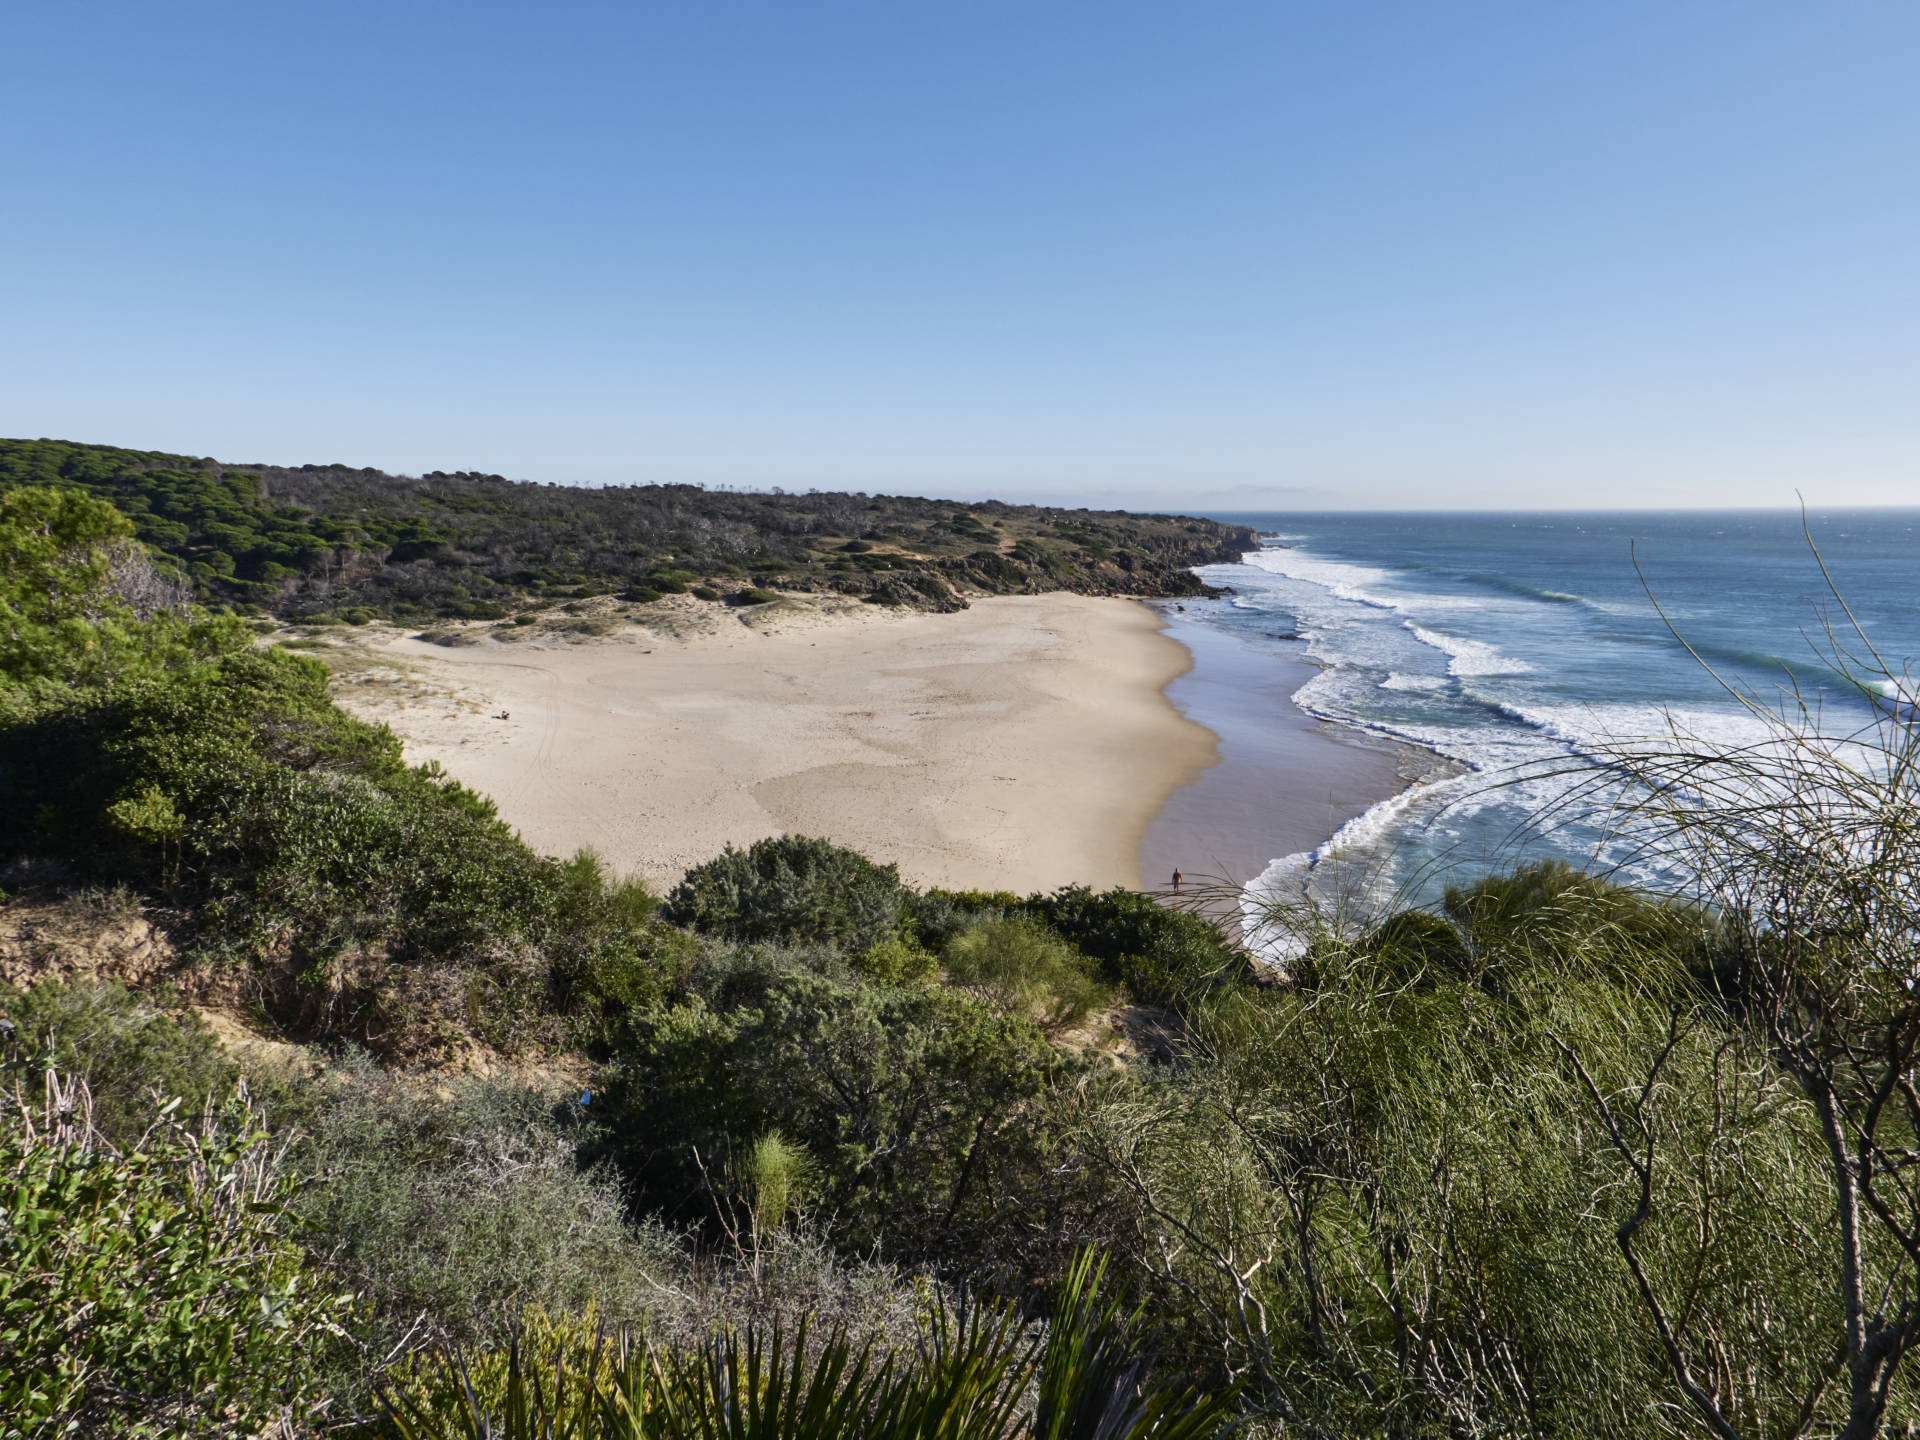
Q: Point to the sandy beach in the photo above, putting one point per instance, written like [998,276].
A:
[1024,743]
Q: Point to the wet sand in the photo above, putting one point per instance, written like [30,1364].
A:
[1284,781]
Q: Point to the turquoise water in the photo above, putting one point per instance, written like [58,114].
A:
[1503,645]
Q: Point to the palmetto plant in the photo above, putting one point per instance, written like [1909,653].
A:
[978,1373]
[1095,1372]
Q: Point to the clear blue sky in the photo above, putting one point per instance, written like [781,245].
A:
[1198,255]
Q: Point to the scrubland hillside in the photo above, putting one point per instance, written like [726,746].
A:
[336,1108]
[320,541]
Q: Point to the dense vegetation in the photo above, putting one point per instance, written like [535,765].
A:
[327,540]
[799,1150]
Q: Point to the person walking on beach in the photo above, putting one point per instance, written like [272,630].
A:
[1176,881]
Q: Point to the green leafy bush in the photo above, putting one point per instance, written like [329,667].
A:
[705,592]
[896,962]
[642,594]
[84,605]
[131,1054]
[936,916]
[1022,968]
[793,890]
[1416,945]
[386,901]
[458,1206]
[465,1205]
[301,834]
[921,1108]
[1412,1108]
[1549,909]
[773,1177]
[153,1290]
[1163,956]
[754,595]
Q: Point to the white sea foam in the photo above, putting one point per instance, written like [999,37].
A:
[1520,729]
[1469,657]
[1521,766]
[1349,582]
[1604,728]
[1904,691]
[1321,695]
[1268,900]
[1360,584]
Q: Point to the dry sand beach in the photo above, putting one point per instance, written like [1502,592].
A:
[1023,743]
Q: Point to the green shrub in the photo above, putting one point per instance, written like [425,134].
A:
[642,595]
[936,915]
[705,592]
[130,1054]
[153,1290]
[395,906]
[587,881]
[465,1207]
[1468,1124]
[754,595]
[83,605]
[1021,968]
[727,974]
[910,1103]
[1550,909]
[774,1177]
[792,890]
[1417,946]
[896,962]
[1163,956]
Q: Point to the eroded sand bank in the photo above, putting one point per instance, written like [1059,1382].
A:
[1021,744]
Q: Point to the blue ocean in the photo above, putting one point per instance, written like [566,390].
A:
[1490,648]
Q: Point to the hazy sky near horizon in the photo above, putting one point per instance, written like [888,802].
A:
[1218,255]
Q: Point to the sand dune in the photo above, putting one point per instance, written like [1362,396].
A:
[1023,743]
